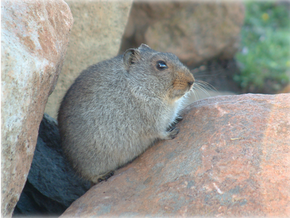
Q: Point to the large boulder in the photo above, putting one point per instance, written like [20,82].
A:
[34,39]
[231,158]
[194,31]
[51,185]
[95,36]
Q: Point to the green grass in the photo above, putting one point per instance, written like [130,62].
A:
[265,47]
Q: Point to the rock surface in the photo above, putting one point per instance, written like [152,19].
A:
[96,35]
[194,31]
[34,39]
[52,185]
[231,158]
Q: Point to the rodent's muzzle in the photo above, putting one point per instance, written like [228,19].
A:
[190,84]
[182,84]
[190,80]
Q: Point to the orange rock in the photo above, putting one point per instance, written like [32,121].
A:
[34,39]
[194,31]
[231,158]
[286,89]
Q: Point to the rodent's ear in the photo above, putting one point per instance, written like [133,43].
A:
[144,46]
[130,57]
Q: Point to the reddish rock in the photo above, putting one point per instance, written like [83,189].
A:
[286,89]
[34,38]
[231,158]
[194,31]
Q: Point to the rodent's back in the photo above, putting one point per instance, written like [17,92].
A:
[112,113]
[81,129]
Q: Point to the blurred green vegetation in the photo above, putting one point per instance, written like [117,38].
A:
[264,58]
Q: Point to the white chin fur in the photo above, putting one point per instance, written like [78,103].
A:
[179,105]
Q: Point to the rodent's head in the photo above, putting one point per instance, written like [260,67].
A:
[158,73]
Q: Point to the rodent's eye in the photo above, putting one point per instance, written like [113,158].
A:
[161,65]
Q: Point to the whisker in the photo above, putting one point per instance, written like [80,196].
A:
[206,85]
[195,91]
[204,90]
[201,88]
[201,74]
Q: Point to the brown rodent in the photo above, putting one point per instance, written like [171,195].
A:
[117,108]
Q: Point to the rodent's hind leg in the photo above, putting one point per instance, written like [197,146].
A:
[106,176]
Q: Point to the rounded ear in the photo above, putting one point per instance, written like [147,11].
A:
[144,46]
[130,57]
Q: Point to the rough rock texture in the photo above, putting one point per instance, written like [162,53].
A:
[33,44]
[95,36]
[51,185]
[194,31]
[231,158]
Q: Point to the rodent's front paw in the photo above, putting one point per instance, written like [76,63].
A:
[179,118]
[173,132]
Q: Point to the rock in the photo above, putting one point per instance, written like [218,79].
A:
[95,36]
[194,31]
[230,159]
[286,89]
[34,41]
[52,185]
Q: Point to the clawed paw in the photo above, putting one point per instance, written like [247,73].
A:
[179,118]
[173,132]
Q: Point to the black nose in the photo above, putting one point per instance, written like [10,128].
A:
[190,83]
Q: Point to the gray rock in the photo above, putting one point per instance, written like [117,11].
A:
[51,185]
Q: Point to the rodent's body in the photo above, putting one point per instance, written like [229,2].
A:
[117,108]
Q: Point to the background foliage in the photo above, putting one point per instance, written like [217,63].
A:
[265,53]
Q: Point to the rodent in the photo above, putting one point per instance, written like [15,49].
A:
[117,108]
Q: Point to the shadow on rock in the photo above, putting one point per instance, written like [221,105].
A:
[51,185]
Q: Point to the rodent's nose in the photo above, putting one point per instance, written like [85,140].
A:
[190,83]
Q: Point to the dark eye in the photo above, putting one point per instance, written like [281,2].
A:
[161,65]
